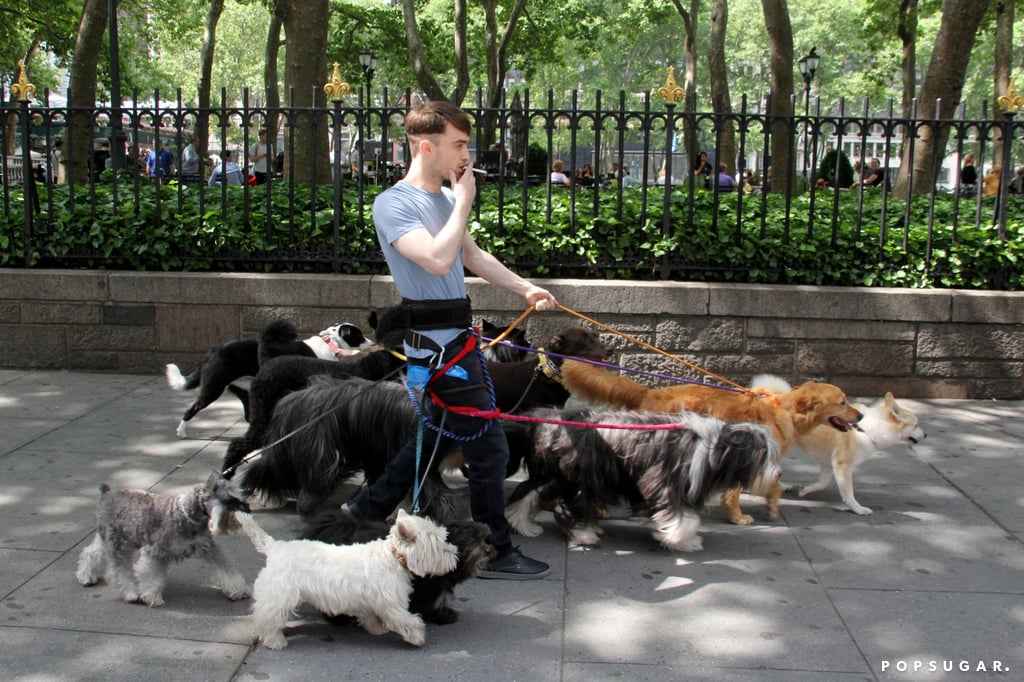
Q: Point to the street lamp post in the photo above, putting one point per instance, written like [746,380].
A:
[368,61]
[808,65]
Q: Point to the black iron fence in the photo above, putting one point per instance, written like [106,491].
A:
[633,200]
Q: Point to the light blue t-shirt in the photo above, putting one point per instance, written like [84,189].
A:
[398,210]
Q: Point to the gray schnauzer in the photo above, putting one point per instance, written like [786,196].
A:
[139,535]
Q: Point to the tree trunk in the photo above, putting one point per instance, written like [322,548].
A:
[689,17]
[206,74]
[82,90]
[906,29]
[496,49]
[1002,69]
[270,76]
[461,55]
[943,81]
[417,57]
[305,72]
[780,39]
[720,98]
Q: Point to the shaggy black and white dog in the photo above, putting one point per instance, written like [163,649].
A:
[432,595]
[283,375]
[667,474]
[231,365]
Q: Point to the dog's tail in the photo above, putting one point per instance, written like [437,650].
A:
[596,385]
[261,540]
[104,488]
[275,339]
[771,382]
[178,381]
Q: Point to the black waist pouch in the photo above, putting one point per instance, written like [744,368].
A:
[450,313]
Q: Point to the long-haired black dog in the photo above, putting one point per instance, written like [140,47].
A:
[667,474]
[285,374]
[431,595]
[499,352]
[341,427]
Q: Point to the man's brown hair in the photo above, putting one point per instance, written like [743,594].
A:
[431,118]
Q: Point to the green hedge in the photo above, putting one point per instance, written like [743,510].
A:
[582,244]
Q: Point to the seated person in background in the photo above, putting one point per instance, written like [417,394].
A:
[1017,184]
[227,173]
[558,176]
[990,183]
[875,175]
[585,176]
[724,180]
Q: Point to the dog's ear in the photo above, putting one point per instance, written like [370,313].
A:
[213,480]
[371,319]
[405,529]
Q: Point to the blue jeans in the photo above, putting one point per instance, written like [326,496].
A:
[486,456]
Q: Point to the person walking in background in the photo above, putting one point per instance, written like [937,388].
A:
[160,165]
[724,181]
[259,156]
[226,172]
[422,227]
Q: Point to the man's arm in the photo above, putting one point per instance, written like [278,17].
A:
[483,264]
[437,253]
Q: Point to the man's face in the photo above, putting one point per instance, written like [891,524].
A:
[875,164]
[450,150]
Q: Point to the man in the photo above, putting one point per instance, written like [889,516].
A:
[226,173]
[190,174]
[160,165]
[724,181]
[259,156]
[875,176]
[422,229]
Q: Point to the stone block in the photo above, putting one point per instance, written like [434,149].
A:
[110,338]
[194,328]
[988,307]
[98,361]
[838,328]
[835,303]
[54,285]
[770,346]
[969,369]
[33,347]
[866,358]
[701,334]
[872,388]
[61,313]
[10,313]
[130,315]
[996,389]
[1004,342]
[308,321]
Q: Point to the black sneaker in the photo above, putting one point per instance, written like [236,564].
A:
[514,566]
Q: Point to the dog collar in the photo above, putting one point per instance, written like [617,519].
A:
[402,561]
[181,507]
[335,349]
[547,366]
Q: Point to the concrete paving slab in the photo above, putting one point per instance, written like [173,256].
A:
[64,395]
[908,626]
[920,537]
[56,654]
[20,565]
[21,432]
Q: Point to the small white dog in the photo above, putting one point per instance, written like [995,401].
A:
[371,581]
[139,535]
[839,453]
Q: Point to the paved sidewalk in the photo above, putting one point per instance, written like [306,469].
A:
[934,578]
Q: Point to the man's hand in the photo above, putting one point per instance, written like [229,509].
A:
[541,299]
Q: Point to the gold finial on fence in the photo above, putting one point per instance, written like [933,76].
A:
[670,92]
[1011,101]
[336,88]
[21,89]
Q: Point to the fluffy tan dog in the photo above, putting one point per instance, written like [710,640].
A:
[787,415]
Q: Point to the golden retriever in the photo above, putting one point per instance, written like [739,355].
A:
[788,415]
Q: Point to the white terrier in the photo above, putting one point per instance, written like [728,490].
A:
[371,581]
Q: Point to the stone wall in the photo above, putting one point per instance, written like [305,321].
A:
[918,344]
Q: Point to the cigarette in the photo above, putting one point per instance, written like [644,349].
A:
[481,171]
